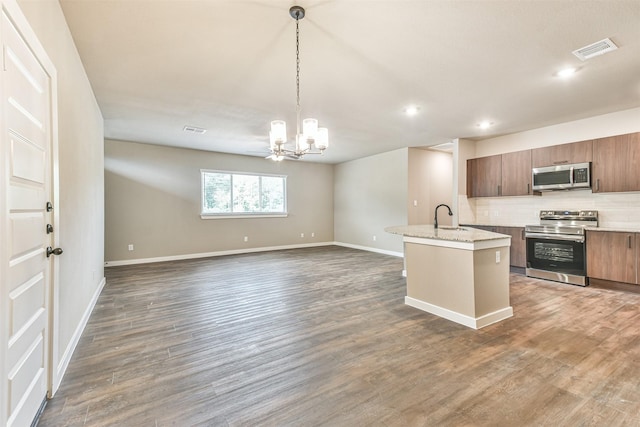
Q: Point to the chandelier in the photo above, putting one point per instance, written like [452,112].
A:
[312,140]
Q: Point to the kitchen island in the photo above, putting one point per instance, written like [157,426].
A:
[459,273]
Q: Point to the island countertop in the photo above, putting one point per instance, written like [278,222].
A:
[459,273]
[447,233]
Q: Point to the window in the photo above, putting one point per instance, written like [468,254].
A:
[226,194]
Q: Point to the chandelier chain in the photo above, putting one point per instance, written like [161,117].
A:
[297,76]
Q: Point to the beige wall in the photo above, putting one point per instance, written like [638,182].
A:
[369,195]
[618,123]
[616,210]
[153,202]
[80,141]
[430,183]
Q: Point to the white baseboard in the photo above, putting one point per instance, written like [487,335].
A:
[61,368]
[463,319]
[244,251]
[369,249]
[212,254]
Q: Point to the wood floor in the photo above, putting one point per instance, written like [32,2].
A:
[321,337]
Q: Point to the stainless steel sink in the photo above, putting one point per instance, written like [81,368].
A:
[449,227]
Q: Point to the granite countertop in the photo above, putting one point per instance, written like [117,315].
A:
[616,229]
[459,234]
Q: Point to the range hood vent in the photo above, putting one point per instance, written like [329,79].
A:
[595,49]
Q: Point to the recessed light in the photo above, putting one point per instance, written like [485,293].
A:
[566,72]
[411,110]
[485,124]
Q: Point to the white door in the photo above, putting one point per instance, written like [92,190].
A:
[26,138]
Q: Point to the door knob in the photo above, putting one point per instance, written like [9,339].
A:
[51,251]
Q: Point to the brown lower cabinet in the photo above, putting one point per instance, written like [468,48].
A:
[518,248]
[613,256]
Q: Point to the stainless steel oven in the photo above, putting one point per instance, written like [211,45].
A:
[556,248]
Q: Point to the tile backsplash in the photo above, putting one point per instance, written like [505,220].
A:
[615,210]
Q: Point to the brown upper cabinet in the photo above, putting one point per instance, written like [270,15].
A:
[516,173]
[484,176]
[615,166]
[616,163]
[507,174]
[575,152]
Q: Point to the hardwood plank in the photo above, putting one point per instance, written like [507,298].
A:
[321,336]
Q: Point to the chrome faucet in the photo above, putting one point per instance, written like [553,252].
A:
[435,221]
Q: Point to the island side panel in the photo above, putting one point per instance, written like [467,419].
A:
[441,276]
[491,280]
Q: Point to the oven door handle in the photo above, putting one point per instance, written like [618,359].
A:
[565,237]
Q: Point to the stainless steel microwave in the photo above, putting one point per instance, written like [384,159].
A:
[562,177]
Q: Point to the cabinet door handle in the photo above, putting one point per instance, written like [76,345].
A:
[499,190]
[561,162]
[629,239]
[522,234]
[598,184]
[528,188]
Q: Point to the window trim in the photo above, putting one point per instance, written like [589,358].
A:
[237,215]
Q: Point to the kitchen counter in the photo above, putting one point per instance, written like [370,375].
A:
[459,273]
[614,229]
[445,233]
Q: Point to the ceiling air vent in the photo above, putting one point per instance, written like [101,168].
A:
[194,129]
[595,49]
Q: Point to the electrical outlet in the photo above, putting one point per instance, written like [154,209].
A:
[313,234]
[497,257]
[301,234]
[130,247]
[246,238]
[415,203]
[374,238]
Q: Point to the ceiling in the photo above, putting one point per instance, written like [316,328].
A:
[229,66]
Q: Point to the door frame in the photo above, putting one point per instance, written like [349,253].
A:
[54,377]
